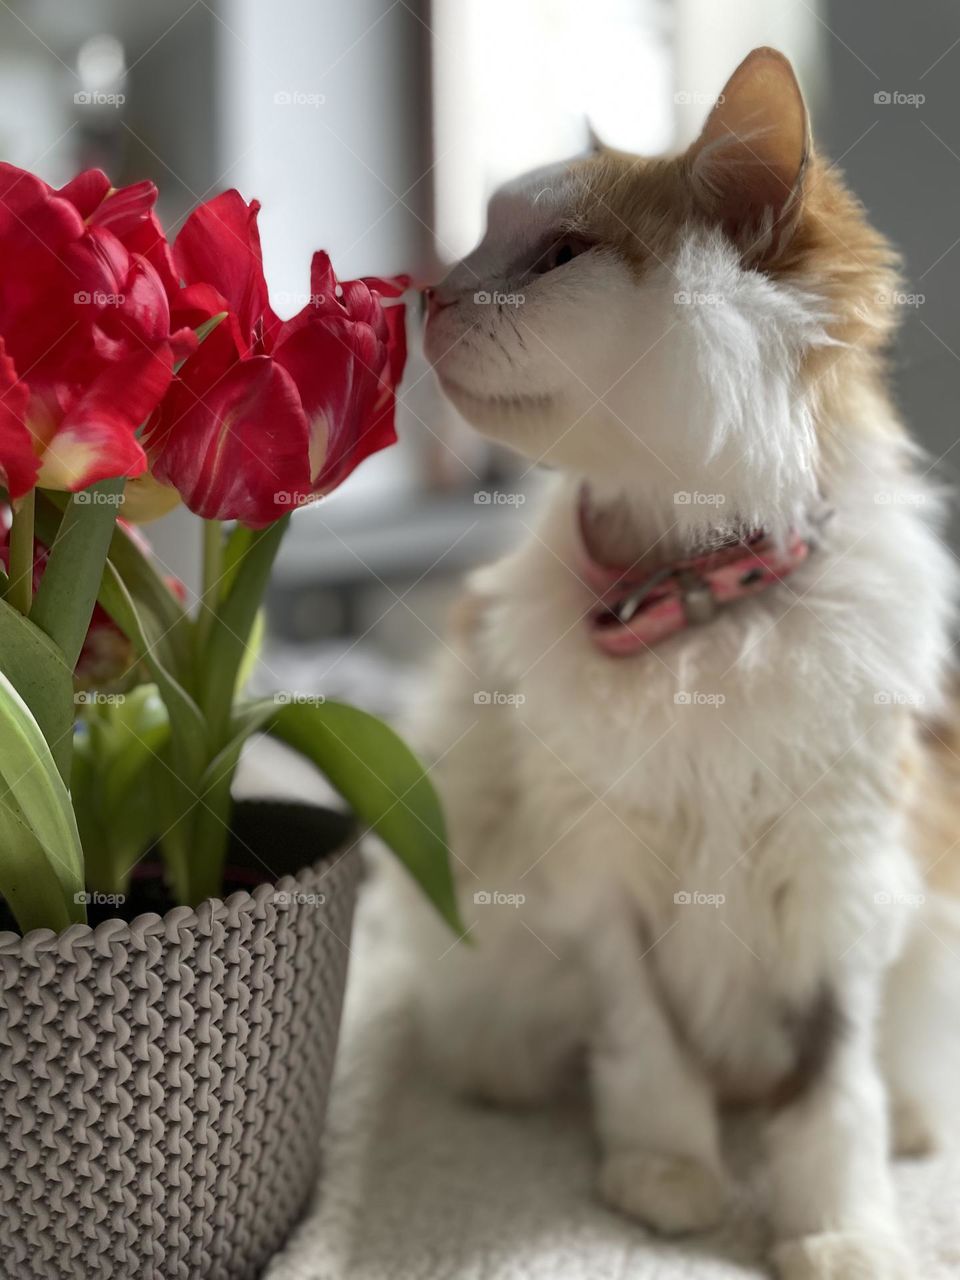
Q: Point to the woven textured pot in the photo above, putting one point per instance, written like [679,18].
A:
[163,1081]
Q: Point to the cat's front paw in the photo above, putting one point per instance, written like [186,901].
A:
[672,1194]
[844,1255]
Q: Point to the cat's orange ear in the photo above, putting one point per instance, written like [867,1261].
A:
[747,166]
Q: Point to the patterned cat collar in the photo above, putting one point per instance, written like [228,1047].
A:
[638,609]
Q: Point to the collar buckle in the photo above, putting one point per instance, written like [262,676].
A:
[630,604]
[699,603]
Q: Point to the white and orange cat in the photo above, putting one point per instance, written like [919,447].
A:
[678,732]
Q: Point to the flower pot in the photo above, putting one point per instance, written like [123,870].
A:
[163,1079]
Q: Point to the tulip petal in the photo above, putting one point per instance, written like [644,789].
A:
[97,438]
[129,214]
[396,322]
[220,244]
[86,191]
[195,304]
[18,459]
[234,441]
[122,303]
[33,213]
[36,227]
[388,286]
[324,287]
[341,372]
[146,499]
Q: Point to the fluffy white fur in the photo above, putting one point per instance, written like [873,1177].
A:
[772,797]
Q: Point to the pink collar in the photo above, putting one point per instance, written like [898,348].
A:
[639,609]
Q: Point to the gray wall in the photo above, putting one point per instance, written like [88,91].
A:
[904,163]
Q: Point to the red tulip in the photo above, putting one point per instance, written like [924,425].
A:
[86,351]
[269,414]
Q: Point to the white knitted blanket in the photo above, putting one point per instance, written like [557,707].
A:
[422,1187]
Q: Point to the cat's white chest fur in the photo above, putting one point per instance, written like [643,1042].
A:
[709,790]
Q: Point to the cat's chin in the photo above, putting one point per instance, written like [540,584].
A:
[486,411]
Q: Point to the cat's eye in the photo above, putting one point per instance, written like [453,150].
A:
[559,252]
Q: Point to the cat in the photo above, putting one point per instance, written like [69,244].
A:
[687,735]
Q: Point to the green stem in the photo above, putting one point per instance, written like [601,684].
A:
[212,573]
[222,655]
[20,580]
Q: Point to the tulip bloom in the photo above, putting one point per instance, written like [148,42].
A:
[270,414]
[86,351]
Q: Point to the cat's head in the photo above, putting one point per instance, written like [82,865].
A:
[674,319]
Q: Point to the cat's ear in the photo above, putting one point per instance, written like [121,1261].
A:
[595,143]
[748,164]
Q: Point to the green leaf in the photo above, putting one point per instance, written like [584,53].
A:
[251,653]
[41,862]
[85,796]
[148,588]
[235,549]
[384,784]
[68,589]
[139,729]
[37,670]
[188,729]
[144,582]
[229,636]
[116,757]
[27,878]
[211,823]
[175,804]
[185,755]
[117,821]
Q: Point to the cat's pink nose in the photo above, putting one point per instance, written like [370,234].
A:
[436,300]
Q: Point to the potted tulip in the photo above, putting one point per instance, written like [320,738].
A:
[172,965]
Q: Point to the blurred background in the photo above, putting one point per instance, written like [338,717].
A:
[377,129]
